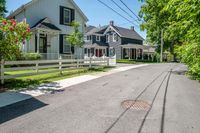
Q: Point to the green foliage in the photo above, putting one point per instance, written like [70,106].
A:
[3,8]
[126,61]
[76,37]
[32,56]
[181,22]
[12,36]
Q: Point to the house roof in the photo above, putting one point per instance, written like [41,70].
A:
[94,30]
[45,24]
[128,33]
[123,32]
[23,7]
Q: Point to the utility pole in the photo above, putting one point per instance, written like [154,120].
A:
[162,44]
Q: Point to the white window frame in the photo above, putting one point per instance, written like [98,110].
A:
[89,38]
[65,9]
[65,43]
[98,38]
[114,39]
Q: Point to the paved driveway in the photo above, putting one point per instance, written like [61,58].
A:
[167,102]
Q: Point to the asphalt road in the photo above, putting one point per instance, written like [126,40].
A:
[170,104]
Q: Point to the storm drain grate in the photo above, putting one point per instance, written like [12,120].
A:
[136,105]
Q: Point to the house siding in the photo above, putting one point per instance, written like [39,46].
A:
[115,45]
[39,10]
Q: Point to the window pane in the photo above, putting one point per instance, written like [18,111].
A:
[66,46]
[67,16]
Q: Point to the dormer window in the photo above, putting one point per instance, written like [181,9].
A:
[98,38]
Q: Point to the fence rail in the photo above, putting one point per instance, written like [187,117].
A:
[39,66]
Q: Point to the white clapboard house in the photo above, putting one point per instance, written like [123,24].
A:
[50,24]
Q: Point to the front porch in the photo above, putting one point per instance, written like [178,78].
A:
[137,52]
[94,50]
[46,41]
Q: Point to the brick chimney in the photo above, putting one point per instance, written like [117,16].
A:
[111,23]
[132,28]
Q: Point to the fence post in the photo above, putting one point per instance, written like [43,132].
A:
[108,64]
[2,71]
[37,65]
[77,63]
[90,66]
[60,64]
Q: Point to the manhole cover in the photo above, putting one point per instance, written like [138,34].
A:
[135,105]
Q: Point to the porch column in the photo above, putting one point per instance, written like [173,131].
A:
[95,52]
[58,38]
[38,41]
[122,53]
[88,54]
[98,52]
[129,53]
[142,55]
[148,56]
[136,54]
[152,57]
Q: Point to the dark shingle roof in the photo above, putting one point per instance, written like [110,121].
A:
[128,33]
[45,25]
[89,28]
[124,32]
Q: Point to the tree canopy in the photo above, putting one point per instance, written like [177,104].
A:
[76,37]
[180,20]
[3,7]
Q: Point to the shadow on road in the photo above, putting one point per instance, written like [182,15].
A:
[18,109]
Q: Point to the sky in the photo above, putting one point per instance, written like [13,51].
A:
[97,13]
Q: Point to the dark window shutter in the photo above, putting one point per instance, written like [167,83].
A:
[61,44]
[35,43]
[72,49]
[72,15]
[61,15]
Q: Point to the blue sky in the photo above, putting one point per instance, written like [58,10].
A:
[97,13]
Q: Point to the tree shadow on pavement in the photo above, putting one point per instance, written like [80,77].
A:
[18,109]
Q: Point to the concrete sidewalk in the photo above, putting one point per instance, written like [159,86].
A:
[8,98]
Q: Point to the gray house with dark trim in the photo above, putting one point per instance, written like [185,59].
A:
[112,40]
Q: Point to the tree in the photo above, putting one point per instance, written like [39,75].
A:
[76,37]
[12,35]
[2,7]
[181,22]
[185,25]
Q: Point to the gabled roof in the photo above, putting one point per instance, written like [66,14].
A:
[23,7]
[128,33]
[123,32]
[94,30]
[45,24]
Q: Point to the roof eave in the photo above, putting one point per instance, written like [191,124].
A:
[84,16]
[19,10]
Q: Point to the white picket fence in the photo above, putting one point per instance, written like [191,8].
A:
[38,66]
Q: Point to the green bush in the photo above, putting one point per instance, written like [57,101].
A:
[32,56]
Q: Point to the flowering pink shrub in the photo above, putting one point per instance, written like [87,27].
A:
[12,35]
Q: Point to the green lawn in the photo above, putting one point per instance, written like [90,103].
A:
[127,61]
[24,82]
